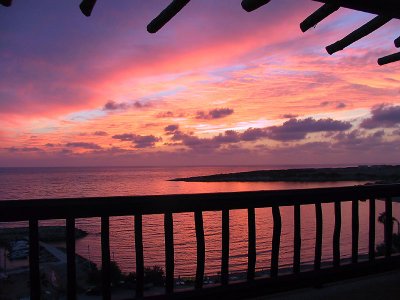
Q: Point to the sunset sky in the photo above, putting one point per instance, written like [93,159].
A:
[216,85]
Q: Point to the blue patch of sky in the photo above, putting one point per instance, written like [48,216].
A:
[222,73]
[85,115]
[159,95]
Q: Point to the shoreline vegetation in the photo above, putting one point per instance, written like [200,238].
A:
[375,173]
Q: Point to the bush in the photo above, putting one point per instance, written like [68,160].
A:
[154,275]
[94,276]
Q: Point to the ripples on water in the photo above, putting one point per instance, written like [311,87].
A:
[83,182]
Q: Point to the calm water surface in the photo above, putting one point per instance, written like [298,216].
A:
[34,183]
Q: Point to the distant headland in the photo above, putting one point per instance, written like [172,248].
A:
[375,173]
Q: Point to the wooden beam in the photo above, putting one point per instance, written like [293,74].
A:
[71,263]
[34,271]
[251,252]
[276,240]
[87,6]
[355,231]
[250,5]
[297,239]
[397,42]
[225,247]
[317,16]
[169,253]
[6,3]
[358,34]
[371,239]
[318,236]
[139,256]
[389,8]
[336,234]
[166,15]
[201,248]
[389,59]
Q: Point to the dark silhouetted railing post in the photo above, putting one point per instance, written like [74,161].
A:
[276,240]
[336,234]
[139,256]
[225,247]
[105,256]
[251,252]
[34,272]
[318,236]
[169,252]
[371,242]
[297,239]
[354,231]
[201,248]
[71,266]
[388,227]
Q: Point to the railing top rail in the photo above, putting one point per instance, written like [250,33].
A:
[18,210]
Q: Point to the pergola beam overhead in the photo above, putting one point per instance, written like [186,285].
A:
[166,15]
[385,10]
[377,7]
[358,34]
[87,6]
[389,59]
[250,5]
[6,3]
[317,16]
[397,42]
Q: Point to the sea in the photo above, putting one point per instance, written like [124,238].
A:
[70,182]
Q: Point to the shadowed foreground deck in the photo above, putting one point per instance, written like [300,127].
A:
[380,286]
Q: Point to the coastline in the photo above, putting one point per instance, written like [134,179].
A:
[375,173]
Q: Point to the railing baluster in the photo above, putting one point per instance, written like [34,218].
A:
[34,272]
[139,256]
[276,240]
[105,257]
[371,229]
[169,252]
[318,236]
[201,248]
[388,227]
[225,247]
[71,267]
[354,231]
[297,239]
[336,234]
[251,251]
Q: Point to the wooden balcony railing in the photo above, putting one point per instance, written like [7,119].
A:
[104,207]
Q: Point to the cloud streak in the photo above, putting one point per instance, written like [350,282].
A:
[139,141]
